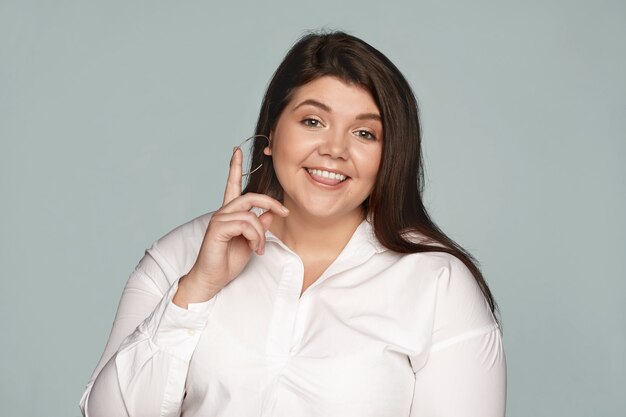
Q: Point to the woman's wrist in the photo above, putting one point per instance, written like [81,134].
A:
[193,289]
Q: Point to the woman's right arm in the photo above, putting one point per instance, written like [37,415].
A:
[144,366]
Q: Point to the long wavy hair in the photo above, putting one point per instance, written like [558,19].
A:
[395,204]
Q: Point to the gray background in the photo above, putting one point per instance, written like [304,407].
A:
[117,119]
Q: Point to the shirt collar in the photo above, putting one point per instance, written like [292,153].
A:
[367,229]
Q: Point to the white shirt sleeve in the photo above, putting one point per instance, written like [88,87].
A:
[145,374]
[463,379]
[465,373]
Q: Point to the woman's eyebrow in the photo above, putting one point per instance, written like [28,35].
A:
[320,105]
[369,116]
[315,103]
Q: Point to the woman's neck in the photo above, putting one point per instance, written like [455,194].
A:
[315,238]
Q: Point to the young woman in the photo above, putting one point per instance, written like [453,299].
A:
[322,289]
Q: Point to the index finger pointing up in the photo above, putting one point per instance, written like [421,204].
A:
[233,185]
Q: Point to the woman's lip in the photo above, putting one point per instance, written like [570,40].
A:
[329,170]
[327,182]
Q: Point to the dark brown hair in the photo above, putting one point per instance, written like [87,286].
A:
[396,199]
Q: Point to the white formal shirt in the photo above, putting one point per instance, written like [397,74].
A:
[378,334]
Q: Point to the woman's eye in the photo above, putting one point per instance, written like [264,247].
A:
[311,122]
[365,134]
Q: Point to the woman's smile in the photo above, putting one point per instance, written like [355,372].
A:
[326,177]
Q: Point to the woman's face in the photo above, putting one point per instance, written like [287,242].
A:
[326,148]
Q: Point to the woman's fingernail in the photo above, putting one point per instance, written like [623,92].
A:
[235,149]
[284,209]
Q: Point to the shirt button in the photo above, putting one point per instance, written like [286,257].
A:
[191,332]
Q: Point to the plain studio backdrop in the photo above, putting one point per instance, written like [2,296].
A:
[117,121]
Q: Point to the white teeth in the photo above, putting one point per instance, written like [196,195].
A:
[327,174]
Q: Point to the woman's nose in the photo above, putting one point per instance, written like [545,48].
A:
[335,145]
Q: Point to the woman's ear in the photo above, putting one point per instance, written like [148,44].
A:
[268,149]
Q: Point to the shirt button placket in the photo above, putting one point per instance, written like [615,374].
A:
[281,328]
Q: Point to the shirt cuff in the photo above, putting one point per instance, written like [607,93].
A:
[176,330]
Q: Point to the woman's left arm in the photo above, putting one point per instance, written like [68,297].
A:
[464,374]
[463,378]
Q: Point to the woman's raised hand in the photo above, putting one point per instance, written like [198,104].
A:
[233,233]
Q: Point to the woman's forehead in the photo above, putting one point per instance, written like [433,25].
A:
[333,94]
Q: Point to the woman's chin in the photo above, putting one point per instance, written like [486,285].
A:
[328,211]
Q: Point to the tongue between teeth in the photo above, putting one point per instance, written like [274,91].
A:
[326,175]
[325,180]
